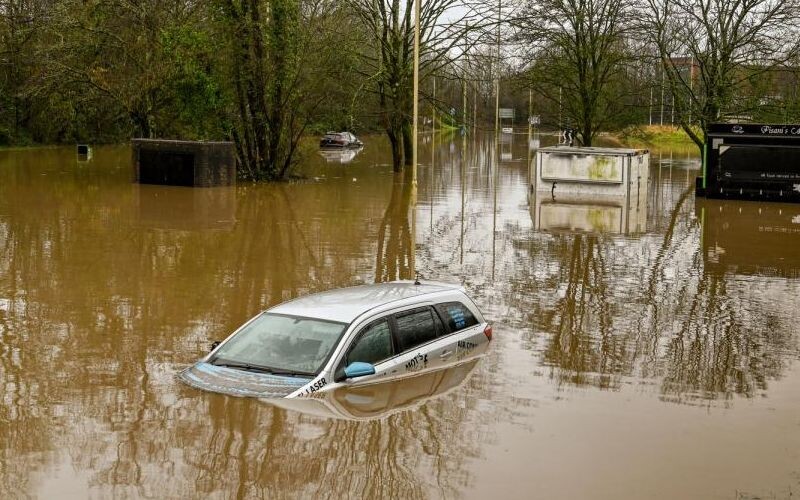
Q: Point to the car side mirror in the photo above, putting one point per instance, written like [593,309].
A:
[358,369]
[214,345]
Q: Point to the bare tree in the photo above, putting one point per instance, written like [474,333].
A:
[714,51]
[575,50]
[388,56]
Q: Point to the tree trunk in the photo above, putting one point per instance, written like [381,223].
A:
[141,124]
[408,145]
[586,136]
[396,139]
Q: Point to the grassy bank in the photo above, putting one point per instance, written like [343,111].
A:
[654,136]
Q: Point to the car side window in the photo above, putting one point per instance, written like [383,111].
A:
[415,328]
[440,329]
[373,346]
[457,316]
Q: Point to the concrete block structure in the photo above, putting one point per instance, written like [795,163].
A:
[589,190]
[184,163]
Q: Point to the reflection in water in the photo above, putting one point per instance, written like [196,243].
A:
[102,301]
[380,400]
[608,215]
[750,238]
[340,156]
[583,343]
[506,146]
[395,256]
[107,289]
[175,207]
[640,308]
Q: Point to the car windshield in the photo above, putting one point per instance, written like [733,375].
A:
[281,343]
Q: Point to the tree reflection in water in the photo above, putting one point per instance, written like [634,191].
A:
[574,347]
[395,256]
[102,300]
[690,327]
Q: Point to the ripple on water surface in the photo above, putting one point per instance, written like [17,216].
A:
[639,352]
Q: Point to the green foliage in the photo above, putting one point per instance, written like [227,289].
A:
[446,121]
[199,99]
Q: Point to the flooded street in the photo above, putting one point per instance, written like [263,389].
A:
[645,350]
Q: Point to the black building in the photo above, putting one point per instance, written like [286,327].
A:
[751,161]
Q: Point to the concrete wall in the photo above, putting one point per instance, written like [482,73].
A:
[184,163]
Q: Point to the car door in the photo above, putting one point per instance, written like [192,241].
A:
[373,344]
[465,334]
[421,339]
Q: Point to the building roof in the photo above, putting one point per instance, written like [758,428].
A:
[592,150]
[346,304]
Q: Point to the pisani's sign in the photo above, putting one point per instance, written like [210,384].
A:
[755,129]
[770,130]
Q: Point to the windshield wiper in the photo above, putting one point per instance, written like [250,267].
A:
[286,372]
[256,368]
[243,366]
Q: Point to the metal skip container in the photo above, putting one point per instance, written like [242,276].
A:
[580,189]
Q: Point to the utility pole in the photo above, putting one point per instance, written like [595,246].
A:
[530,114]
[497,74]
[416,97]
[691,85]
[474,108]
[433,108]
[464,88]
[672,111]
[464,102]
[662,96]
[415,142]
[530,136]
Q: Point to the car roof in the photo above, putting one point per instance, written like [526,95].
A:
[346,304]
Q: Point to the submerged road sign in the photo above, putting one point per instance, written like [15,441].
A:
[507,113]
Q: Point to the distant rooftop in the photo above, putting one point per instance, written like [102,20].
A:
[346,304]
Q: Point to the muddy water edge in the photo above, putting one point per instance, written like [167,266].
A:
[655,359]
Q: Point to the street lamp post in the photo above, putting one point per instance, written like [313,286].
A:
[416,94]
[415,141]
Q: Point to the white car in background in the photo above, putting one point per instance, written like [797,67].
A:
[342,338]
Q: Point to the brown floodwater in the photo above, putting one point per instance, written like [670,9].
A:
[654,359]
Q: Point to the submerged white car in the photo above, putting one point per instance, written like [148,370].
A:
[352,336]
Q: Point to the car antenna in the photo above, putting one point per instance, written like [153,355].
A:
[416,279]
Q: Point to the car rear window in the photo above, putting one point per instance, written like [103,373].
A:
[415,328]
[457,316]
